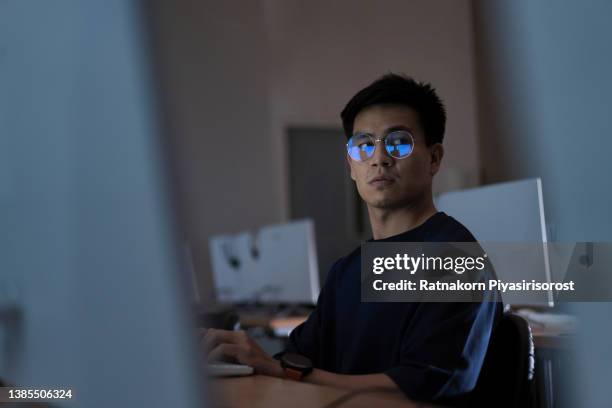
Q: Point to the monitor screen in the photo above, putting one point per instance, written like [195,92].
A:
[275,264]
[508,221]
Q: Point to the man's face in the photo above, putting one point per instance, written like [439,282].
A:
[386,182]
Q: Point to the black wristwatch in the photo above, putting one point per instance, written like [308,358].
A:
[295,366]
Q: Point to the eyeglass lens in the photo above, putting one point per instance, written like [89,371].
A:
[362,146]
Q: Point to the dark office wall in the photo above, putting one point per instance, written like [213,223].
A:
[212,67]
[321,189]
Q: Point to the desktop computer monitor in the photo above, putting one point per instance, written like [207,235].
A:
[90,293]
[508,221]
[275,264]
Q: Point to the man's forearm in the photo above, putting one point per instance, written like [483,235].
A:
[238,346]
[352,382]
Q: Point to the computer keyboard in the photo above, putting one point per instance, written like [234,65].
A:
[228,370]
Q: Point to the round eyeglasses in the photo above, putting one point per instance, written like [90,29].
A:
[399,144]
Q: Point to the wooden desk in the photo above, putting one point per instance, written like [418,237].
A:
[263,391]
[544,338]
[262,320]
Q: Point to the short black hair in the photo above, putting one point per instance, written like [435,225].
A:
[399,89]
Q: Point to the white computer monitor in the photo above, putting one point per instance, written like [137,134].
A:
[513,213]
[275,264]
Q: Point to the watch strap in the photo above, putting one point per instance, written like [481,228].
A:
[293,374]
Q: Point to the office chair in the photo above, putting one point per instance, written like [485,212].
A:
[507,375]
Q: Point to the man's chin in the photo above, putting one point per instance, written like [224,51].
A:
[385,203]
[390,201]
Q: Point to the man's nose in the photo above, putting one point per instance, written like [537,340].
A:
[381,157]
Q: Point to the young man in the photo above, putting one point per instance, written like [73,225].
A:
[430,351]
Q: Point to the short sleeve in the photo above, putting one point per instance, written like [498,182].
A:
[444,347]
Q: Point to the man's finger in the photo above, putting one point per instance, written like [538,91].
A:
[225,351]
[214,337]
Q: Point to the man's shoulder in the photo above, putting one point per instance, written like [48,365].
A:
[342,264]
[348,259]
[448,229]
[444,229]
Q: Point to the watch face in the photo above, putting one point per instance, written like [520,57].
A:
[297,361]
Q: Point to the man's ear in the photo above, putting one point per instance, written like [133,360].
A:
[437,153]
[349,168]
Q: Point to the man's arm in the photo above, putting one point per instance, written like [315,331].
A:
[351,382]
[237,346]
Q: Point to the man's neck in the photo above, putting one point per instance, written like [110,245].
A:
[389,222]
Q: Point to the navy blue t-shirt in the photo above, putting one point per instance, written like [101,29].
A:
[430,350]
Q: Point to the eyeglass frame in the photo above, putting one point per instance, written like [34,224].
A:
[381,139]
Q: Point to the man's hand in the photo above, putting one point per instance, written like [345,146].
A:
[237,346]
